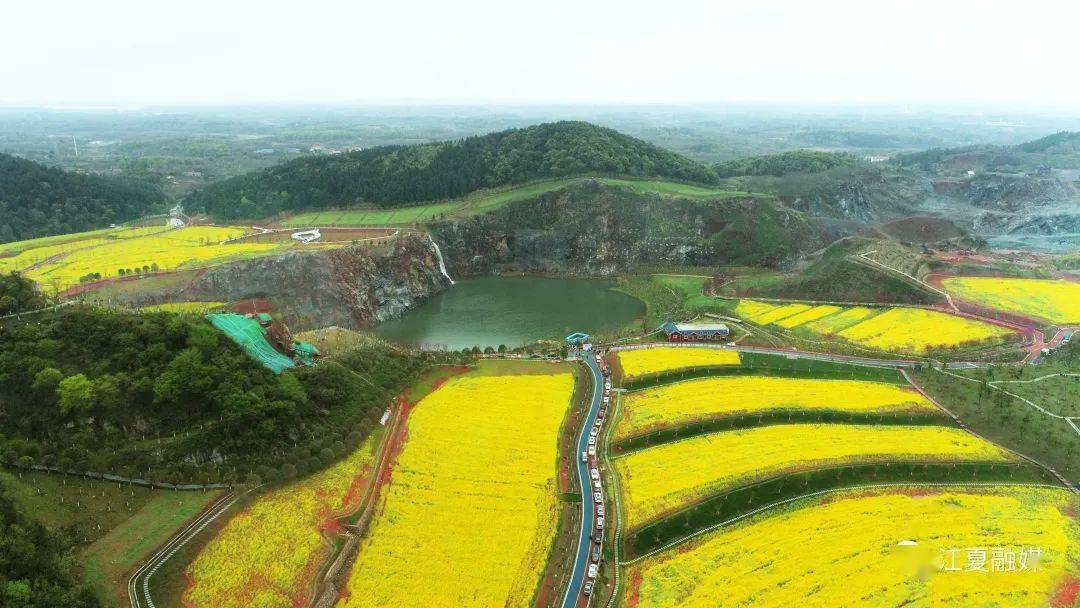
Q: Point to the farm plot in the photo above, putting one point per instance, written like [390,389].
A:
[664,478]
[471,509]
[269,553]
[192,246]
[845,550]
[702,398]
[1055,301]
[644,361]
[902,329]
[913,330]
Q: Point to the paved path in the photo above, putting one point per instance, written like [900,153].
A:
[588,508]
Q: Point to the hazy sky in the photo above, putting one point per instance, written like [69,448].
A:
[61,52]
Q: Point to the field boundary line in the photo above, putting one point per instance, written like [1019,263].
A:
[732,520]
[616,497]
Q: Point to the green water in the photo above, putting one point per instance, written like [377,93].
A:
[514,311]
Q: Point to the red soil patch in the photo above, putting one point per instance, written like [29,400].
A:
[1066,593]
[633,589]
[188,586]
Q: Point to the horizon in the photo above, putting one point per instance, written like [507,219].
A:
[130,55]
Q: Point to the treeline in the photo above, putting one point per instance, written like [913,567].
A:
[783,163]
[34,571]
[169,397]
[36,200]
[392,175]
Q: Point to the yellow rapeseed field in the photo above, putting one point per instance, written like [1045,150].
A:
[841,321]
[749,309]
[807,316]
[844,551]
[664,478]
[644,361]
[1056,301]
[471,509]
[780,312]
[683,402]
[195,245]
[27,258]
[914,330]
[193,307]
[268,554]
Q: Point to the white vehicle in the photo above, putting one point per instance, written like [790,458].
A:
[584,457]
[600,510]
[592,440]
[607,400]
[607,385]
[596,484]
[595,473]
[593,431]
[598,497]
[592,570]
[592,450]
[599,523]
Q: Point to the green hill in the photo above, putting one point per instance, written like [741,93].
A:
[392,176]
[36,200]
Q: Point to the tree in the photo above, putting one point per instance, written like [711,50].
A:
[502,348]
[76,394]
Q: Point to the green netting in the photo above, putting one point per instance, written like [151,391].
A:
[250,336]
[306,352]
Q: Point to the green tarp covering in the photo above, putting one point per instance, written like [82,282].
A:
[249,335]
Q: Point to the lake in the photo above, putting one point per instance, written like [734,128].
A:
[514,311]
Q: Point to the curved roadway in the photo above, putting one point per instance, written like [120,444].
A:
[588,507]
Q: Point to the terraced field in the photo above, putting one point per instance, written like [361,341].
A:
[659,480]
[471,509]
[679,403]
[1055,301]
[269,553]
[846,550]
[902,330]
[645,361]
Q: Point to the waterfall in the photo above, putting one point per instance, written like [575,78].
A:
[442,265]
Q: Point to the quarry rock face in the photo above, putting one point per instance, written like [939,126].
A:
[348,287]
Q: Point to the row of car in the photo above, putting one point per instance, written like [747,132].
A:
[597,535]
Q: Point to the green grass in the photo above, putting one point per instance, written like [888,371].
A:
[108,561]
[1006,420]
[113,525]
[486,200]
[691,288]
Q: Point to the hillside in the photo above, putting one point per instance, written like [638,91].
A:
[171,398]
[594,228]
[393,176]
[783,163]
[36,200]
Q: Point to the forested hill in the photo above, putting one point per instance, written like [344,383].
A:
[36,200]
[783,163]
[392,176]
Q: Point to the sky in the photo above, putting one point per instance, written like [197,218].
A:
[66,53]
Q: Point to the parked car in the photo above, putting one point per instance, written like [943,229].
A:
[593,569]
[595,473]
[594,431]
[596,484]
[600,510]
[592,440]
[598,498]
[599,523]
[592,450]
[596,554]
[587,589]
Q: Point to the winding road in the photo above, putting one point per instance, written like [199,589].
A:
[588,507]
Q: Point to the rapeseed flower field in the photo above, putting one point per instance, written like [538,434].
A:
[471,509]
[191,246]
[1056,301]
[268,554]
[915,330]
[900,329]
[844,550]
[691,400]
[644,361]
[667,477]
